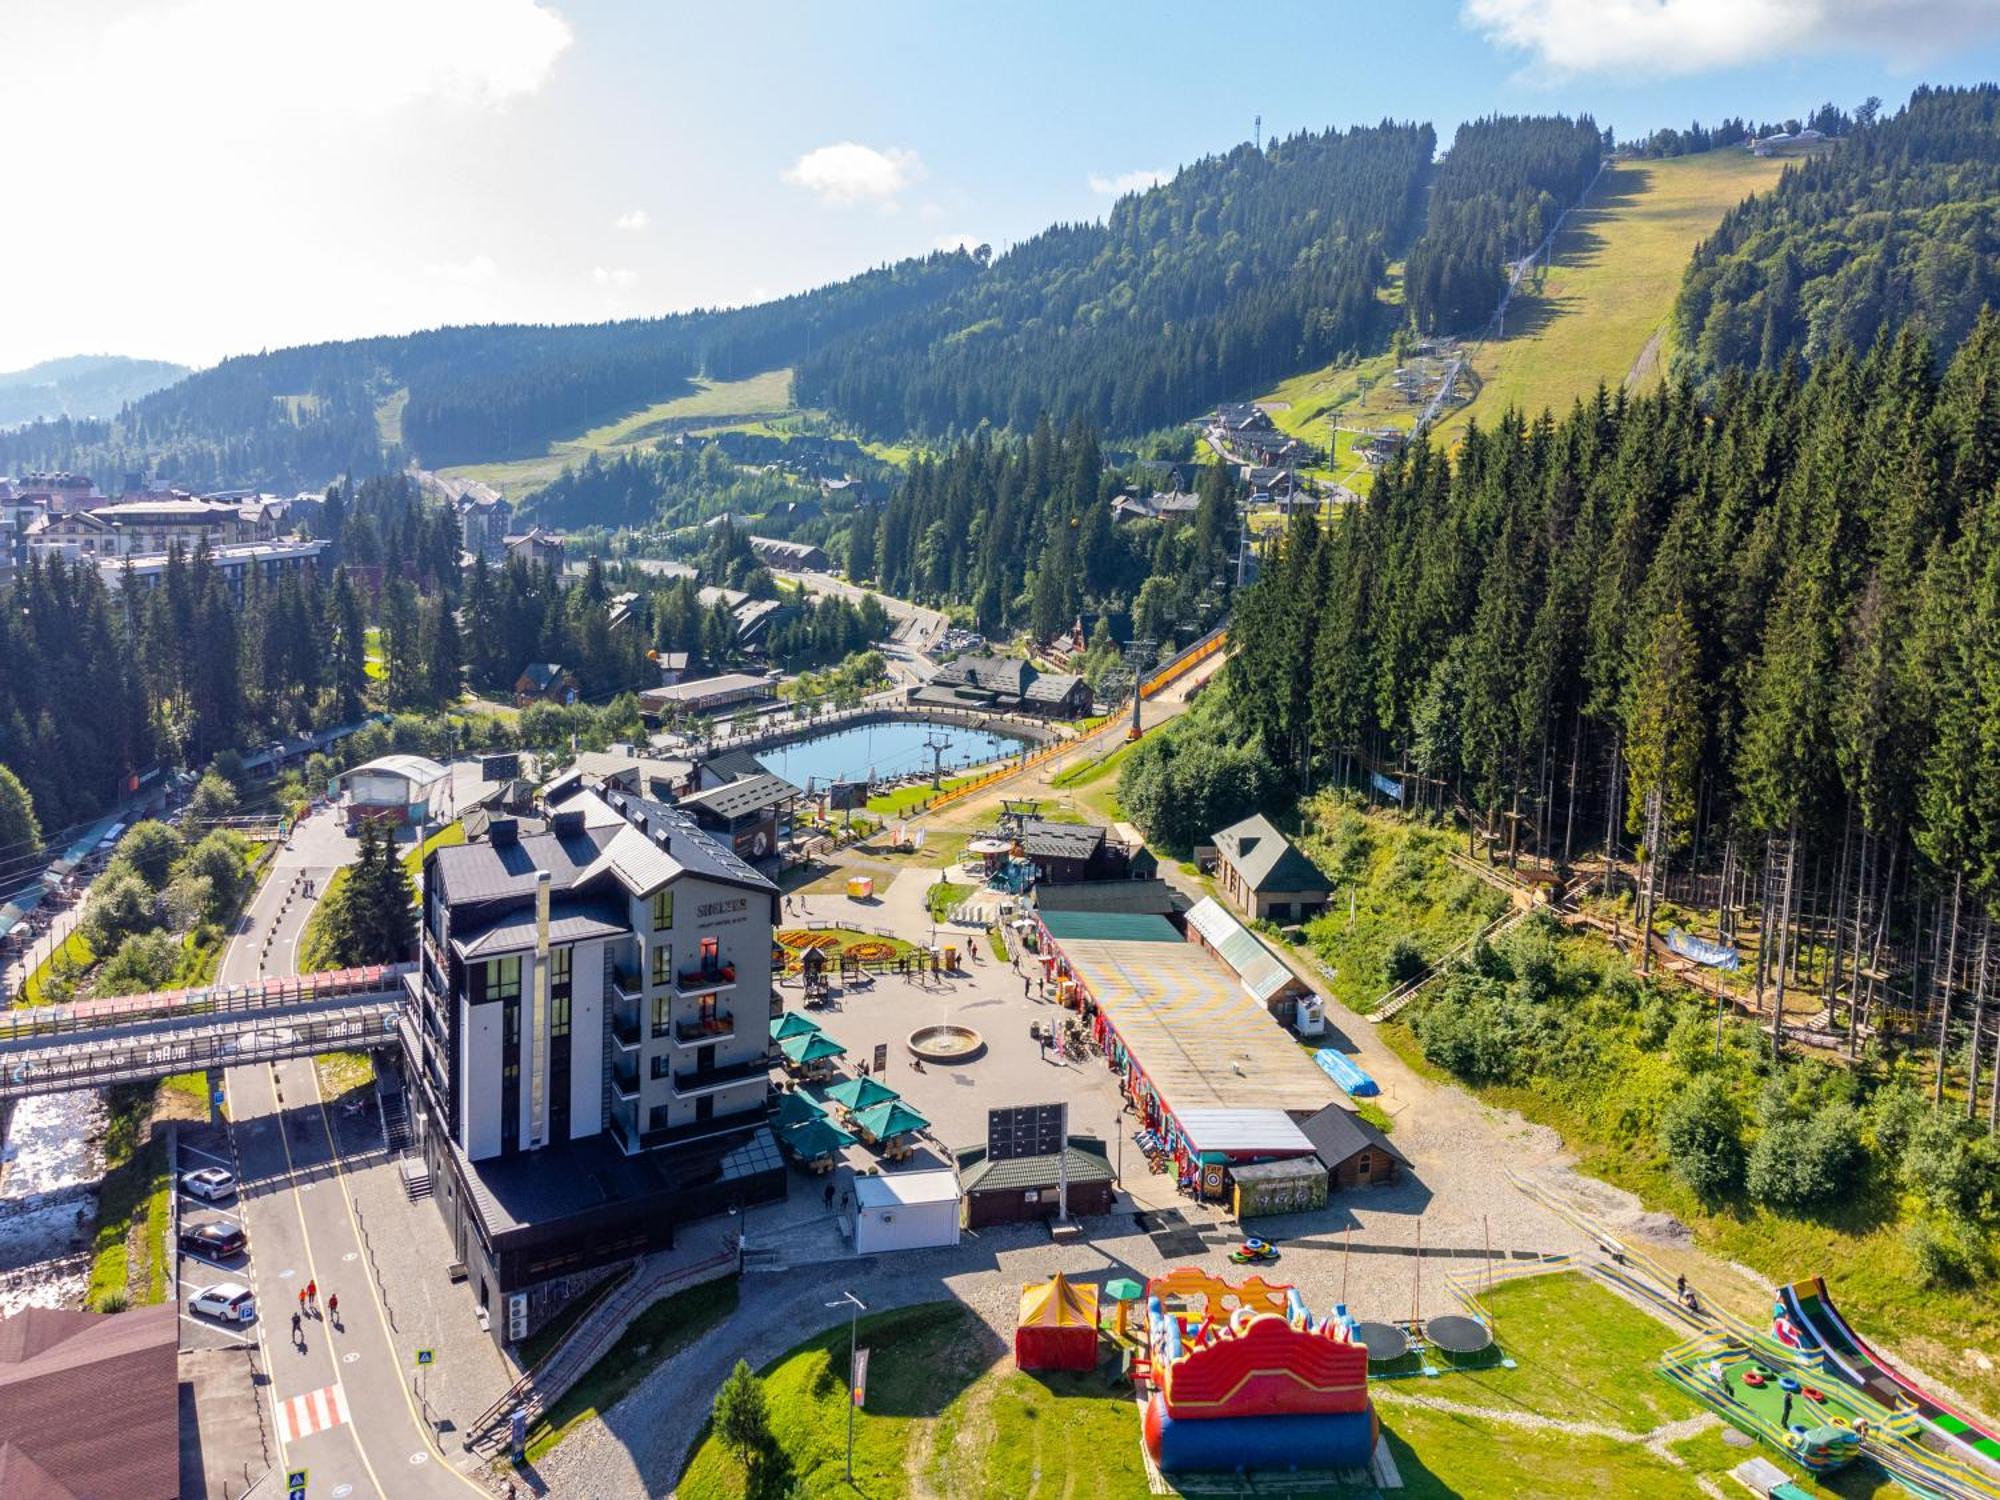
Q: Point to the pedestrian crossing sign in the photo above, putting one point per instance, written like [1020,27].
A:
[426,1356]
[295,1484]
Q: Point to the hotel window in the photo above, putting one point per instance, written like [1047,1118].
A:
[663,1014]
[559,969]
[558,1015]
[663,962]
[663,910]
[503,979]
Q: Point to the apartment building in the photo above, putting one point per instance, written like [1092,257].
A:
[587,1044]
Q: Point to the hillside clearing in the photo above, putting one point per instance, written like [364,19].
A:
[1594,314]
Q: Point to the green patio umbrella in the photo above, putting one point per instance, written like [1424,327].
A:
[857,1094]
[810,1047]
[792,1024]
[815,1138]
[1124,1291]
[796,1109]
[889,1119]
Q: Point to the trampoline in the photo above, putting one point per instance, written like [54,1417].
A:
[1459,1335]
[1386,1342]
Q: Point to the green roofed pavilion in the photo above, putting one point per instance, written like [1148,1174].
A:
[815,1138]
[857,1094]
[891,1119]
[811,1047]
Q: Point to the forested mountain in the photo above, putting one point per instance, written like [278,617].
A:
[1495,196]
[81,385]
[1022,532]
[1246,267]
[1900,224]
[1763,623]
[305,415]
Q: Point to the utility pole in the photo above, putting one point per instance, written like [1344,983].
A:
[855,1308]
[1138,660]
[1258,131]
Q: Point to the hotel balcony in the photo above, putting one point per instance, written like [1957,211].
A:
[626,1028]
[689,1085]
[708,979]
[624,1080]
[704,1029]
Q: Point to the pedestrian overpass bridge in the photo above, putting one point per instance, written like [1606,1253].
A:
[52,1049]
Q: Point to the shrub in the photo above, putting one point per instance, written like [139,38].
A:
[214,797]
[1701,1132]
[1804,1163]
[1404,961]
[1479,1032]
[113,1302]
[1952,1164]
[121,904]
[1894,1115]
[218,859]
[149,850]
[144,961]
[1947,1254]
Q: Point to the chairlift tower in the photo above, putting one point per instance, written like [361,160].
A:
[937,747]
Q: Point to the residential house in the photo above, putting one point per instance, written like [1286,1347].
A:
[544,682]
[1262,875]
[536,547]
[798,557]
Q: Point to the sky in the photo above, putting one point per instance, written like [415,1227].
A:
[190,179]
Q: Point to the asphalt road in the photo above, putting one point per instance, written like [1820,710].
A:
[340,1403]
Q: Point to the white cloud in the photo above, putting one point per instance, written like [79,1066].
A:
[615,276]
[632,218]
[1692,36]
[1126,182]
[481,270]
[849,172]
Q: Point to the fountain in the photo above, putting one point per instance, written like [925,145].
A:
[946,1044]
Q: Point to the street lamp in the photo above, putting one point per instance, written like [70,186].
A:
[855,1308]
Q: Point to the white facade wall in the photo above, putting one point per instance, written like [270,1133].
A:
[586,1041]
[479,1079]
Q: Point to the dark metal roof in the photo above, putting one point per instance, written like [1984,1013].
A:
[1151,897]
[89,1404]
[1051,687]
[1337,1133]
[1266,859]
[686,844]
[569,922]
[491,872]
[1044,840]
[1110,926]
[1020,1173]
[751,794]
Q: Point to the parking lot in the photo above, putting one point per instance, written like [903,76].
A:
[207,1146]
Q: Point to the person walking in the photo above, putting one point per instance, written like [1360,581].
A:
[1785,1416]
[302,1300]
[298,1330]
[829,1197]
[312,1294]
[333,1307]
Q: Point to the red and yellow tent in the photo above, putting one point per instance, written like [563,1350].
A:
[1058,1326]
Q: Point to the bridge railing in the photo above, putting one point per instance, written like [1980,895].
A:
[30,1022]
[200,1042]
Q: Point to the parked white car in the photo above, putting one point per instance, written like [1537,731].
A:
[210,1183]
[226,1301]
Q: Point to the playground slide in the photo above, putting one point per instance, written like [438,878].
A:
[1811,1309]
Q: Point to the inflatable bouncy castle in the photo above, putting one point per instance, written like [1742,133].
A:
[1244,1378]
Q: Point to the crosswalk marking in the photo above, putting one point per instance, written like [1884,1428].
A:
[315,1411]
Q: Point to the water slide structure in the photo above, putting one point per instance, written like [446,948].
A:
[1806,1319]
